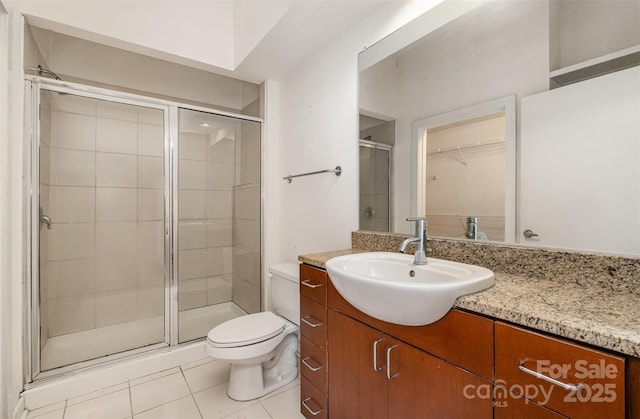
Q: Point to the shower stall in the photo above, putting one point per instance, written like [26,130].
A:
[145,223]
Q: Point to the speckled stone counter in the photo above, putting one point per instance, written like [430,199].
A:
[598,305]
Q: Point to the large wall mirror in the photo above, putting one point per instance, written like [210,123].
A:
[510,121]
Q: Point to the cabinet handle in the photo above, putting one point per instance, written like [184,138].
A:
[314,369]
[536,374]
[306,283]
[304,403]
[389,376]
[375,355]
[305,320]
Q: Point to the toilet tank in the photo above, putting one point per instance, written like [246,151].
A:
[285,290]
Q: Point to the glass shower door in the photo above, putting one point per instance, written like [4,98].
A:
[101,203]
[375,186]
[219,253]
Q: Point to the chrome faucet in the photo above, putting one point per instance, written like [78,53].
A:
[472,228]
[420,241]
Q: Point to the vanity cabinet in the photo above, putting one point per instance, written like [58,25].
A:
[374,375]
[464,365]
[567,378]
[313,342]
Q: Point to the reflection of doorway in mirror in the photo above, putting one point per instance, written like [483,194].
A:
[465,169]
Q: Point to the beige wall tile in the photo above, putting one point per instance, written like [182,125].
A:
[246,234]
[247,203]
[219,204]
[151,172]
[71,314]
[73,131]
[116,136]
[192,234]
[218,289]
[71,204]
[220,176]
[151,237]
[221,151]
[151,303]
[150,116]
[150,140]
[219,233]
[116,204]
[219,261]
[116,239]
[118,111]
[73,277]
[116,273]
[116,170]
[150,270]
[192,174]
[150,204]
[192,293]
[116,307]
[72,168]
[192,264]
[71,241]
[192,205]
[192,146]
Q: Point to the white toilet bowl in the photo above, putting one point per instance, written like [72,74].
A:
[261,347]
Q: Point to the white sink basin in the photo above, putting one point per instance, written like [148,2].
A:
[389,287]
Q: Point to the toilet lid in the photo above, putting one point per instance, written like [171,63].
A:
[246,330]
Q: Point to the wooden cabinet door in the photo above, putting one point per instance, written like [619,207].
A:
[356,388]
[423,386]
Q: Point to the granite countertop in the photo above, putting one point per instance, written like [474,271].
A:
[595,315]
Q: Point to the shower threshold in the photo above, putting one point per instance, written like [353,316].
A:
[78,347]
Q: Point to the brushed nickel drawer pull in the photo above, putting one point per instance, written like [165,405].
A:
[389,376]
[306,319]
[314,369]
[304,403]
[306,283]
[536,374]
[375,355]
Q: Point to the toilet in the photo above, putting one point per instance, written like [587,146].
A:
[262,347]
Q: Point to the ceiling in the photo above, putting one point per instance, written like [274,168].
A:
[290,32]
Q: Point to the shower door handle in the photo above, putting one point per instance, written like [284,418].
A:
[45,219]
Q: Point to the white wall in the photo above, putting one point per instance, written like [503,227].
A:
[11,210]
[319,130]
[188,31]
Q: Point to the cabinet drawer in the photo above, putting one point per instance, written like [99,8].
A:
[313,404]
[313,364]
[313,322]
[571,379]
[313,283]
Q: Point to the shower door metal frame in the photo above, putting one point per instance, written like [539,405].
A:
[33,87]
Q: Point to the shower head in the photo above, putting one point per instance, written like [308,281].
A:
[42,70]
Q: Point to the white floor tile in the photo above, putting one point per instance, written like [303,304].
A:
[285,405]
[157,392]
[53,411]
[253,412]
[201,361]
[154,376]
[294,383]
[98,393]
[214,402]
[207,375]
[111,406]
[184,408]
[44,411]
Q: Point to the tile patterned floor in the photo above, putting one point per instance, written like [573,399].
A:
[193,391]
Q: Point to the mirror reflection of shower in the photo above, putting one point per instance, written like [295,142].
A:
[375,154]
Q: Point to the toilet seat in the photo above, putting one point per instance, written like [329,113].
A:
[246,330]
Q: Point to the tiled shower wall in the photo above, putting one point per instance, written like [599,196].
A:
[205,211]
[219,212]
[103,259]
